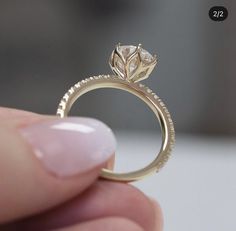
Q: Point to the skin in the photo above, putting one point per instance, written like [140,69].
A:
[32,199]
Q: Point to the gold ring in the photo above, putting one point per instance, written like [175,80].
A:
[130,64]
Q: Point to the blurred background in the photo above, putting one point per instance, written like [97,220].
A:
[48,46]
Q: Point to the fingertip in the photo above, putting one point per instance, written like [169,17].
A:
[159,220]
[52,164]
[108,224]
[111,162]
[70,146]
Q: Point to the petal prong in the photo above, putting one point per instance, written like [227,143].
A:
[117,51]
[118,45]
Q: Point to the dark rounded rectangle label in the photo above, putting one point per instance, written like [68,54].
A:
[218,13]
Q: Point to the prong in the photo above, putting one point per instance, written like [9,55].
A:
[139,47]
[117,52]
[118,45]
[154,61]
[117,48]
[111,59]
[138,50]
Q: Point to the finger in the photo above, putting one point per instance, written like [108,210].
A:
[102,199]
[159,221]
[9,113]
[108,224]
[18,118]
[111,162]
[44,161]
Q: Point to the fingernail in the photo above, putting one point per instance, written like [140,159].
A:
[70,146]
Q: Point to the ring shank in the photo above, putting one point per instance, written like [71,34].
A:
[145,94]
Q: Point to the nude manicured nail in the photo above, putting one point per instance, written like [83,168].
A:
[70,146]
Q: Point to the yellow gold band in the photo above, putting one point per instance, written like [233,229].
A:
[145,94]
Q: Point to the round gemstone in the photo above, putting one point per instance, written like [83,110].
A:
[126,51]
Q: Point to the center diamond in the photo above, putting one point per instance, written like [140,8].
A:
[126,51]
[132,63]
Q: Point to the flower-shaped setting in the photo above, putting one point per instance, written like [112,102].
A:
[132,63]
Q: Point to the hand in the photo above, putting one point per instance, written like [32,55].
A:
[49,170]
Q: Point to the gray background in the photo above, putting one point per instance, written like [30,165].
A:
[47,46]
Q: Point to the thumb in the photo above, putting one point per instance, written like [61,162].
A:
[46,163]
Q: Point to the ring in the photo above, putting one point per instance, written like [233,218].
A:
[130,65]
